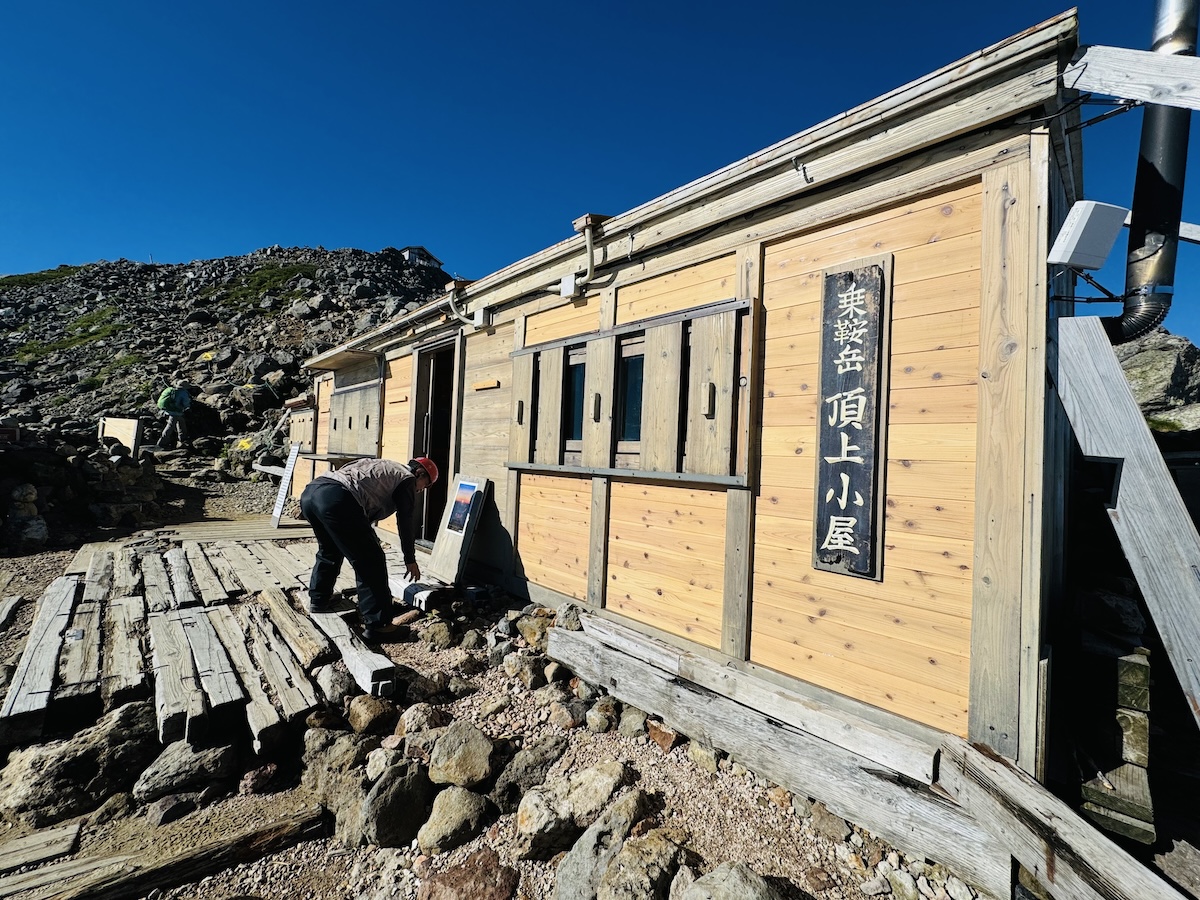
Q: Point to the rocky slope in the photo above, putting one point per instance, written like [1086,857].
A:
[79,343]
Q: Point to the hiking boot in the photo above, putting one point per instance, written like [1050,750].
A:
[320,606]
[375,634]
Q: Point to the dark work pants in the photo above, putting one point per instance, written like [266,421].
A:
[343,532]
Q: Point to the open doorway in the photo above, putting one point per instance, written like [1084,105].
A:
[434,412]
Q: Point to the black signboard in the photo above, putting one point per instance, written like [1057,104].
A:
[847,526]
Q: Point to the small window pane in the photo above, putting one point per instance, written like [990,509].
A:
[573,403]
[629,399]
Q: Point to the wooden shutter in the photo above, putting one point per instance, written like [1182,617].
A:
[520,434]
[660,398]
[711,395]
[548,450]
[598,402]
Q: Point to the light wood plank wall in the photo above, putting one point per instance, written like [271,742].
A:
[666,558]
[323,388]
[902,644]
[486,402]
[708,282]
[576,317]
[553,532]
[397,410]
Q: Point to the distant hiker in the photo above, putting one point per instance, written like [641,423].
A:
[341,506]
[175,402]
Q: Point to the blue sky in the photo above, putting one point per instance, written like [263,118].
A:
[180,131]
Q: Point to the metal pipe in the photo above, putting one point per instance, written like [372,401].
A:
[1157,190]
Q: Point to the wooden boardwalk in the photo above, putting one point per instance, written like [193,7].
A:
[207,620]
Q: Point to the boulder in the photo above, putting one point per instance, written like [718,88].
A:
[181,767]
[462,756]
[46,783]
[372,715]
[480,877]
[644,866]
[394,810]
[527,769]
[578,875]
[335,683]
[421,717]
[551,817]
[731,881]
[458,815]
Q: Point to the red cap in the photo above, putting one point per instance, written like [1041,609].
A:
[429,466]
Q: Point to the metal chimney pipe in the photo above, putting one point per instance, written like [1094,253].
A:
[1157,191]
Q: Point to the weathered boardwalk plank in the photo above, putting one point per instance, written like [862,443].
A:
[5,580]
[39,846]
[98,583]
[281,563]
[208,583]
[159,596]
[178,698]
[224,569]
[374,672]
[307,555]
[29,691]
[218,678]
[8,610]
[79,661]
[250,570]
[266,725]
[309,644]
[297,695]
[181,582]
[123,676]
[127,579]
[83,558]
[54,875]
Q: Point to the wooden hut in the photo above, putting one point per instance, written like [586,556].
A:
[788,435]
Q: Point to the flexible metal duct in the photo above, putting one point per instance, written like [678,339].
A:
[1157,191]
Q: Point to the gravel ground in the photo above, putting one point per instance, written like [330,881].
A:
[730,816]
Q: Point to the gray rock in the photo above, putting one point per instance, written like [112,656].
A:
[499,653]
[731,881]
[47,783]
[461,687]
[534,629]
[604,715]
[568,714]
[171,808]
[706,758]
[633,722]
[875,886]
[335,766]
[379,760]
[372,715]
[528,668]
[831,826]
[551,693]
[118,806]
[419,745]
[421,717]
[527,769]
[394,810]
[480,877]
[578,875]
[462,756]
[567,617]
[958,890]
[335,683]
[473,640]
[644,866]
[439,636]
[180,767]
[904,886]
[552,816]
[556,671]
[458,815]
[583,690]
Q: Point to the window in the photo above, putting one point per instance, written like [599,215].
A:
[573,403]
[628,413]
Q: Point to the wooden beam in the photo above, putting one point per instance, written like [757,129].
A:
[126,576]
[208,583]
[123,676]
[1159,78]
[8,610]
[1070,858]
[39,846]
[739,552]
[1151,521]
[178,698]
[79,661]
[53,876]
[309,644]
[159,596]
[548,447]
[181,582]
[911,817]
[214,669]
[662,391]
[598,548]
[250,570]
[142,875]
[224,569]
[29,691]
[266,725]
[598,398]
[296,695]
[373,672]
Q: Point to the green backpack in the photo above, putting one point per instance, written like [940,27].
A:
[170,401]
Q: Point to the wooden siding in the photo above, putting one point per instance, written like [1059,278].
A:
[397,411]
[323,388]
[694,286]
[486,402]
[902,644]
[553,531]
[576,317]
[666,558]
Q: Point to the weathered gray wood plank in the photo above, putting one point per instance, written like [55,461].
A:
[261,715]
[123,676]
[181,581]
[297,696]
[373,672]
[59,873]
[126,578]
[178,698]
[217,677]
[1151,521]
[208,583]
[39,846]
[739,545]
[307,642]
[1159,78]
[159,596]
[6,578]
[250,570]
[1071,859]
[907,755]
[98,581]
[282,566]
[30,689]
[913,818]
[79,661]
[83,558]
[224,569]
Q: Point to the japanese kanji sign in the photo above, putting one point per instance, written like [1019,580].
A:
[847,523]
